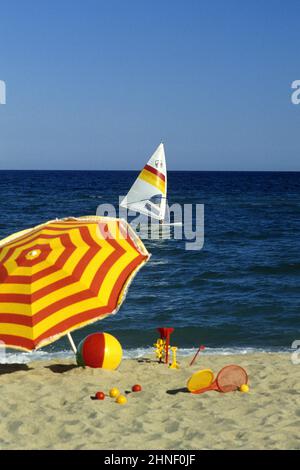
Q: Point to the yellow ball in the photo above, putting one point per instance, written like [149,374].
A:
[244,388]
[121,400]
[114,392]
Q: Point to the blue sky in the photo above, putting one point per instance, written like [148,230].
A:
[98,84]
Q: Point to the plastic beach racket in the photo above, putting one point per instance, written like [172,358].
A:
[201,379]
[229,378]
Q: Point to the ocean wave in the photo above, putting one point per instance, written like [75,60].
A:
[186,352]
[156,263]
[134,353]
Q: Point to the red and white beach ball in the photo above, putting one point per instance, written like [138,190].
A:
[99,350]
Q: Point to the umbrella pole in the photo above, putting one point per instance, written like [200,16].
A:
[72,342]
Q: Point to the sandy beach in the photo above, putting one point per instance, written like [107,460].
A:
[48,405]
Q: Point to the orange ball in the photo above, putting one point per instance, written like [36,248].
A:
[100,396]
[136,388]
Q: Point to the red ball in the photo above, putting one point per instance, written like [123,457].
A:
[136,388]
[100,396]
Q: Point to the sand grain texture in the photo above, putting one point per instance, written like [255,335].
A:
[48,405]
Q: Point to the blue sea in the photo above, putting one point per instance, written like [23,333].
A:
[241,292]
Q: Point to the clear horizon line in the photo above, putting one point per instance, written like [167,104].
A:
[169,171]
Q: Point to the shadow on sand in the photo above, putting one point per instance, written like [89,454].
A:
[148,361]
[11,368]
[61,368]
[178,390]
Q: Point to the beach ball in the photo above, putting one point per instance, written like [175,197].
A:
[99,350]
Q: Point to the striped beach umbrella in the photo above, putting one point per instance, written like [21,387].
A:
[63,275]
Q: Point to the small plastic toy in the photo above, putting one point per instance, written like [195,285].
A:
[99,350]
[136,388]
[244,388]
[160,347]
[201,348]
[229,379]
[199,380]
[100,396]
[114,392]
[174,364]
[121,399]
[165,334]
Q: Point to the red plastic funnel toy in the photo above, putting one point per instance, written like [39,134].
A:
[165,334]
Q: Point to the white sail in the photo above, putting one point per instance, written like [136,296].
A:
[148,193]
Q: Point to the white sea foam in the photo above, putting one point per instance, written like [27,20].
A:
[156,263]
[184,352]
[24,358]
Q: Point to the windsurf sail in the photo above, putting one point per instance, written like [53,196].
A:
[148,193]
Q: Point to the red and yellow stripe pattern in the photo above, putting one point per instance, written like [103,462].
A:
[154,177]
[63,275]
[99,350]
